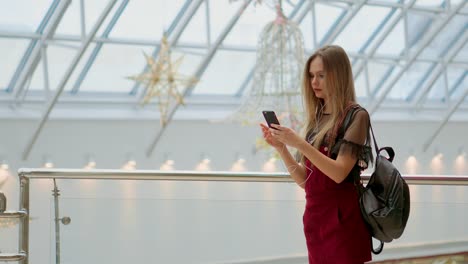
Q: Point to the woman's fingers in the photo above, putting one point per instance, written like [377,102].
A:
[271,135]
[275,132]
[278,127]
[264,126]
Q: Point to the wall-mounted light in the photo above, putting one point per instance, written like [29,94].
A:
[90,163]
[48,164]
[168,164]
[437,163]
[130,163]
[270,165]
[459,164]
[204,165]
[239,164]
[412,164]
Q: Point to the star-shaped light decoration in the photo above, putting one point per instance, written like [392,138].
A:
[163,81]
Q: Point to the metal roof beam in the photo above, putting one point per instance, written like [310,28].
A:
[457,83]
[382,37]
[445,120]
[333,33]
[456,46]
[66,77]
[390,4]
[426,41]
[25,72]
[97,48]
[32,43]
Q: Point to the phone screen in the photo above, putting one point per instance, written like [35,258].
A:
[270,118]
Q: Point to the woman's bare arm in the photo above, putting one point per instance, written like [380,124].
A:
[295,169]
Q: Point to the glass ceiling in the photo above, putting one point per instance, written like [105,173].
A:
[410,56]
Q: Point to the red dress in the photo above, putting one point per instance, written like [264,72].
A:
[334,229]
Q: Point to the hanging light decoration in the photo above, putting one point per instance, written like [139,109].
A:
[163,81]
[277,75]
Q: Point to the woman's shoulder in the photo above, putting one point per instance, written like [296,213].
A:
[361,113]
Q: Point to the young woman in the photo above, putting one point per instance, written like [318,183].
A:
[334,229]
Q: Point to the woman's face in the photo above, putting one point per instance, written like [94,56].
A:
[317,78]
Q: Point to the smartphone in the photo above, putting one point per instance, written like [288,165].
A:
[270,118]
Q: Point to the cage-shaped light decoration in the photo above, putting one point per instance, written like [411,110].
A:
[277,75]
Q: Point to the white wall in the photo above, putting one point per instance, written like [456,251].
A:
[111,142]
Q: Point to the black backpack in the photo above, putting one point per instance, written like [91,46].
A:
[385,200]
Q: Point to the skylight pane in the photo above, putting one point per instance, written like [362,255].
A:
[438,89]
[457,89]
[11,52]
[409,80]
[221,13]
[192,59]
[226,73]
[196,31]
[394,43]
[327,16]
[308,32]
[462,55]
[361,27]
[59,57]
[464,9]
[70,22]
[110,71]
[146,20]
[377,71]
[419,25]
[112,67]
[250,25]
[288,6]
[429,3]
[93,10]
[446,38]
[23,15]
[360,85]
[456,78]
[386,78]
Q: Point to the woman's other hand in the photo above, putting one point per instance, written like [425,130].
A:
[286,136]
[272,141]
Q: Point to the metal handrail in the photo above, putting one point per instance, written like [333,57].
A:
[102,174]
[13,257]
[13,214]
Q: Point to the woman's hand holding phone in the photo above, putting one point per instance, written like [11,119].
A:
[279,136]
[270,118]
[269,137]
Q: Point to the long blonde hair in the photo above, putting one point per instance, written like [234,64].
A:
[339,86]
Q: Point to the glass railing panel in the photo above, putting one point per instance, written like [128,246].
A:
[175,222]
[123,221]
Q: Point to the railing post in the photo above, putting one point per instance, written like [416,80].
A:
[24,222]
